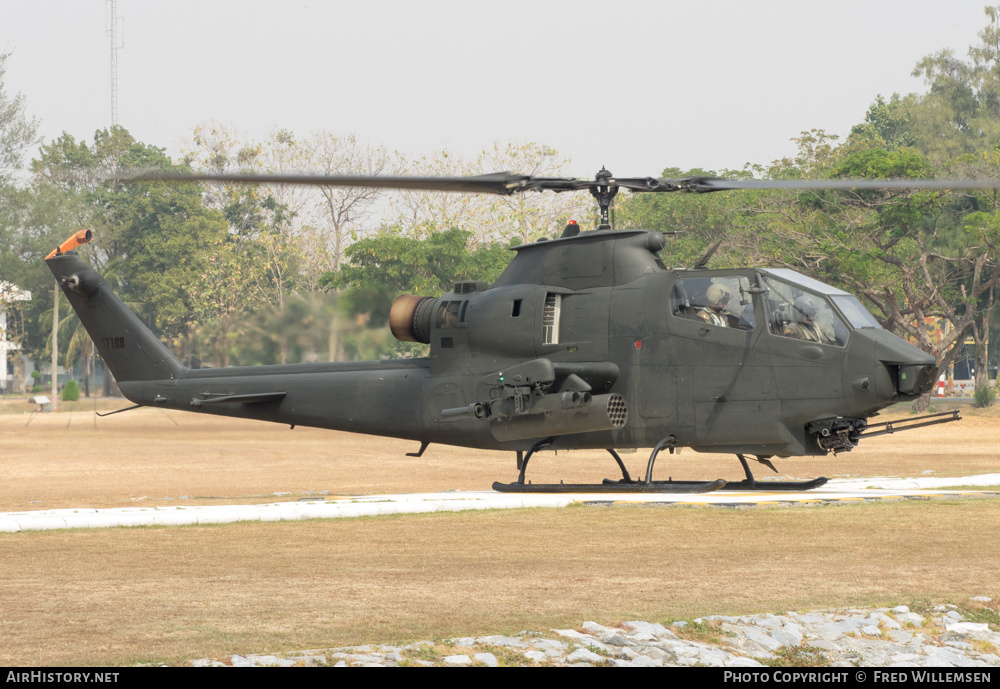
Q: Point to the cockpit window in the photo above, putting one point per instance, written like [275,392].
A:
[720,301]
[856,314]
[793,312]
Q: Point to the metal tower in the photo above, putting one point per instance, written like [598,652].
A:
[113,33]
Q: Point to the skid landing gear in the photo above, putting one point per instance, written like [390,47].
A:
[750,483]
[625,485]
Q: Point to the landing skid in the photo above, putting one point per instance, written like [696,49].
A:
[750,483]
[625,485]
[787,486]
[610,486]
[628,485]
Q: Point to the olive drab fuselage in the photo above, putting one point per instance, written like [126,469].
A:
[589,340]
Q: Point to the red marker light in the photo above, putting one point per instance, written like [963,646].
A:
[638,343]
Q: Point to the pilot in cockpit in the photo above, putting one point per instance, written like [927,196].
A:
[803,325]
[714,312]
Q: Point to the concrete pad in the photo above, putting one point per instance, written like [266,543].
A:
[346,507]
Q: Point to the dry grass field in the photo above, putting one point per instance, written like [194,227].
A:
[120,596]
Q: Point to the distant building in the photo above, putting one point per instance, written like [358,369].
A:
[8,294]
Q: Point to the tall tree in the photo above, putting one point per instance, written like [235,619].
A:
[489,218]
[25,225]
[18,131]
[960,113]
[162,235]
[343,211]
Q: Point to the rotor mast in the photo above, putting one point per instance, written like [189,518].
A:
[604,191]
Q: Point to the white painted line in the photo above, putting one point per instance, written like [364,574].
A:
[346,507]
[923,482]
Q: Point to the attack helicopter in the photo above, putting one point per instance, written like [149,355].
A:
[585,341]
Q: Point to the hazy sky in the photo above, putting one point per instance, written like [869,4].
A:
[636,86]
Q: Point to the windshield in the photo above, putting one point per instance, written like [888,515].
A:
[856,314]
[815,286]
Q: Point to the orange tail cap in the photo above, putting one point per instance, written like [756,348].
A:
[81,237]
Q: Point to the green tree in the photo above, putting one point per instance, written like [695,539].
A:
[33,221]
[885,127]
[699,220]
[162,235]
[31,216]
[71,392]
[960,113]
[383,266]
[394,263]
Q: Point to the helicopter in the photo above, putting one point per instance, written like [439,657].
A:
[585,341]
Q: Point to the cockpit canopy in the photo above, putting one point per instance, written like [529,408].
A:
[794,305]
[846,303]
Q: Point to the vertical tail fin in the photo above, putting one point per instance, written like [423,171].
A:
[129,349]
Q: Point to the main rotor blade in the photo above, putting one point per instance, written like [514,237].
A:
[506,183]
[706,184]
[497,183]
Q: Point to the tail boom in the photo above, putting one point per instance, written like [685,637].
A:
[352,396]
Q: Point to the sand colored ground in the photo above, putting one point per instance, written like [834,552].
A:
[120,596]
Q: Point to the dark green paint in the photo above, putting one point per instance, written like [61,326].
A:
[492,375]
